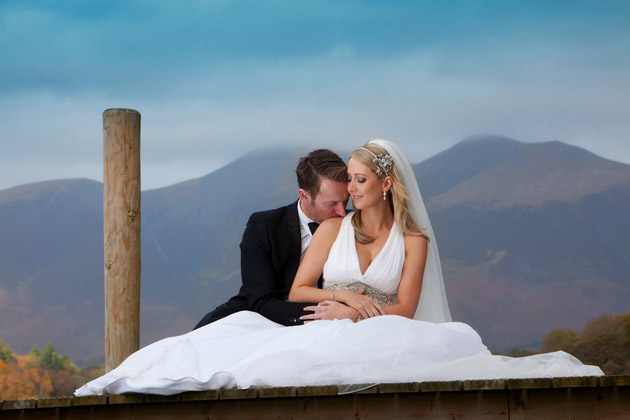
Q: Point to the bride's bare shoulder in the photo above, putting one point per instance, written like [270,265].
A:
[331,225]
[416,242]
[327,232]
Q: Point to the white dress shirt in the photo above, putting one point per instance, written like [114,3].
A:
[305,231]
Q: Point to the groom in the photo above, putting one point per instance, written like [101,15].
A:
[274,243]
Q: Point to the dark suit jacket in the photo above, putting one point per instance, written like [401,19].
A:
[270,255]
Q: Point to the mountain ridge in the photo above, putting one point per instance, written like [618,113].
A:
[492,169]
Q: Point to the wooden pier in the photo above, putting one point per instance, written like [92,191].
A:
[606,397]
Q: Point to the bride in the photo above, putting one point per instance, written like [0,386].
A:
[381,260]
[384,247]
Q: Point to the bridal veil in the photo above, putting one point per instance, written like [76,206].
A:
[433,305]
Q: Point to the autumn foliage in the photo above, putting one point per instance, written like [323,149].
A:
[40,374]
[604,342]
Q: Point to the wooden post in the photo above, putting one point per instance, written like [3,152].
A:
[121,217]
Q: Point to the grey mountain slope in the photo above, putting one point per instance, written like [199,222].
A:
[539,229]
[499,172]
[549,201]
[519,256]
[51,238]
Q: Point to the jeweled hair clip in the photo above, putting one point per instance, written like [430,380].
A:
[384,163]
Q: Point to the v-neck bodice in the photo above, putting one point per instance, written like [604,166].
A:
[378,255]
[384,271]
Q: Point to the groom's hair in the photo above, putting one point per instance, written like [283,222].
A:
[317,164]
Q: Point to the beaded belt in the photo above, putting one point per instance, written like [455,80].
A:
[370,291]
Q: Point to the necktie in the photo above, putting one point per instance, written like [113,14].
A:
[313,227]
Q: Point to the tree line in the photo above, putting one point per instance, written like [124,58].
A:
[604,342]
[40,374]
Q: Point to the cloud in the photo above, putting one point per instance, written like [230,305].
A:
[122,46]
[214,80]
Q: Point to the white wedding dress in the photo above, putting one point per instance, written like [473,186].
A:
[246,349]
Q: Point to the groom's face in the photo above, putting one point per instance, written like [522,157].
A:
[330,201]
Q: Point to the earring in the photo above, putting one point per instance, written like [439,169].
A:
[384,195]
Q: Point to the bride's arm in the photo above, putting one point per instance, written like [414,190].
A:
[304,285]
[411,281]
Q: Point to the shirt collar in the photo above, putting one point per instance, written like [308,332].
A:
[304,219]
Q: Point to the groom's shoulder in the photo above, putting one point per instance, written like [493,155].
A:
[274,214]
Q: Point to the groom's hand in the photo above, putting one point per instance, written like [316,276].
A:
[330,310]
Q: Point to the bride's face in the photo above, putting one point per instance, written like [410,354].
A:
[363,185]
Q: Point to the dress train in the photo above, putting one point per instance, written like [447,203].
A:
[246,349]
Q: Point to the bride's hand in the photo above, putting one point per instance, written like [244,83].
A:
[366,306]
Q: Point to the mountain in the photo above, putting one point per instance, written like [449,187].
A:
[536,232]
[51,287]
[51,252]
[532,236]
[493,172]
[191,234]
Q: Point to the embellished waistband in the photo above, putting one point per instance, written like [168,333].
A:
[373,292]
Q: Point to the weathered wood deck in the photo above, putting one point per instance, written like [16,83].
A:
[558,398]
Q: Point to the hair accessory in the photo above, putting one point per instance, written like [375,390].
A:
[384,163]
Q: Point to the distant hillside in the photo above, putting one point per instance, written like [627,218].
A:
[532,237]
[536,232]
[51,252]
[494,172]
[51,244]
[191,236]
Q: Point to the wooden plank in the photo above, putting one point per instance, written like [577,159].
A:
[571,403]
[313,408]
[398,388]
[54,402]
[232,394]
[308,391]
[126,399]
[576,398]
[535,383]
[485,384]
[200,395]
[576,382]
[32,414]
[490,405]
[615,380]
[441,386]
[146,411]
[95,400]
[19,404]
[152,398]
[277,392]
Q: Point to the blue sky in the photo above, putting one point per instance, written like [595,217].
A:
[216,79]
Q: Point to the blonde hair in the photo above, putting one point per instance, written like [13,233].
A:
[398,195]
